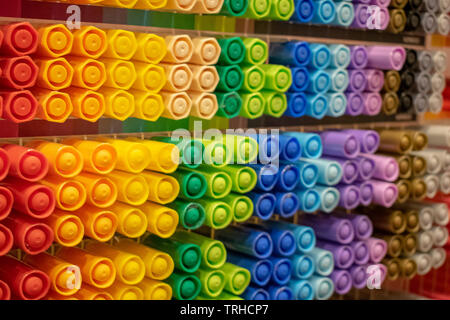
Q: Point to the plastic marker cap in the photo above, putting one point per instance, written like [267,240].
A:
[54,106]
[206,51]
[191,214]
[179,49]
[87,104]
[254,78]
[54,41]
[162,221]
[70,194]
[178,105]
[253,105]
[281,10]
[18,39]
[89,41]
[232,50]
[99,224]
[18,106]
[6,240]
[204,105]
[101,191]
[151,48]
[184,286]
[155,290]
[256,51]
[54,74]
[121,44]
[68,229]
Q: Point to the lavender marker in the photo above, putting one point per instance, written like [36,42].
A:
[350,169]
[361,252]
[339,144]
[375,80]
[372,103]
[366,168]
[343,254]
[355,103]
[329,227]
[359,276]
[342,280]
[377,249]
[349,196]
[362,225]
[365,192]
[386,168]
[361,16]
[386,57]
[384,193]
[384,18]
[358,55]
[369,140]
[357,81]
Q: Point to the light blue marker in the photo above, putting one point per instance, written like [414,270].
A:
[323,261]
[337,104]
[323,287]
[309,200]
[330,172]
[292,53]
[302,289]
[255,293]
[338,79]
[280,292]
[308,174]
[320,54]
[319,82]
[300,79]
[317,106]
[311,143]
[296,105]
[345,14]
[304,11]
[287,204]
[329,198]
[324,12]
[340,56]
[303,266]
[304,236]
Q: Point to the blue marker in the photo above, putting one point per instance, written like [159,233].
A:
[288,177]
[319,82]
[304,11]
[324,12]
[320,55]
[300,79]
[330,172]
[311,144]
[263,204]
[287,204]
[345,14]
[282,270]
[317,106]
[337,104]
[290,148]
[309,200]
[323,261]
[305,238]
[260,270]
[340,56]
[292,53]
[268,145]
[283,240]
[255,293]
[302,289]
[302,266]
[267,176]
[248,241]
[308,174]
[280,293]
[323,287]
[339,79]
[329,198]
[296,105]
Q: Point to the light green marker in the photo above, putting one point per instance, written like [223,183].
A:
[216,153]
[276,103]
[237,278]
[254,78]
[218,214]
[243,178]
[281,9]
[245,149]
[213,281]
[256,51]
[253,105]
[278,78]
[191,214]
[257,9]
[241,206]
[218,182]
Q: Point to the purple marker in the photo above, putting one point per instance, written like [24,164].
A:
[343,254]
[384,18]
[361,16]
[342,280]
[350,169]
[362,224]
[386,57]
[369,140]
[329,227]
[357,81]
[375,80]
[361,252]
[365,192]
[349,196]
[355,103]
[384,193]
[358,57]
[339,144]
[386,168]
[372,103]
[366,168]
[359,276]
[377,249]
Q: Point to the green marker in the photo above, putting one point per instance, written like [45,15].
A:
[218,214]
[223,296]
[243,178]
[230,104]
[253,105]
[213,251]
[241,206]
[191,151]
[281,9]
[237,278]
[277,78]
[254,78]
[231,78]
[257,9]
[276,103]
[186,256]
[256,51]
[235,8]
[245,149]
[191,214]
[192,184]
[216,153]
[232,51]
[184,286]
[213,282]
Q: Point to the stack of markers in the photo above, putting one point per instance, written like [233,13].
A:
[434,16]
[371,14]
[398,19]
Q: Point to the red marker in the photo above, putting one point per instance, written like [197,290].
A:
[5,164]
[25,282]
[6,202]
[30,198]
[26,163]
[1,38]
[5,292]
[18,106]
[6,241]
[19,39]
[18,72]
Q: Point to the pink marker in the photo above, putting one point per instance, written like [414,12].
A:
[384,193]
[375,80]
[386,57]
[372,103]
[386,168]
[377,249]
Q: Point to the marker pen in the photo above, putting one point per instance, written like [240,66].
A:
[162,220]
[372,103]
[309,200]
[260,269]
[284,242]
[397,20]
[320,53]
[407,103]
[409,245]
[324,12]
[212,281]
[191,151]
[350,169]
[438,257]
[369,140]
[18,72]
[219,183]
[286,204]
[408,80]
[343,255]
[337,104]
[148,106]
[429,22]
[53,106]
[292,53]
[418,189]
[99,224]
[432,182]
[361,251]
[377,249]
[122,44]
[232,50]
[241,206]
[132,222]
[440,236]
[120,291]
[89,41]
[218,214]
[329,227]
[25,282]
[54,74]
[216,154]
[323,261]
[365,192]
[339,79]
[357,80]
[119,104]
[420,140]
[308,174]
[393,80]
[395,141]
[230,104]
[88,73]
[255,293]
[178,77]
[236,278]
[255,78]
[419,166]
[387,219]
[317,106]
[87,104]
[5,291]
[276,77]
[256,50]
[345,14]
[349,196]
[425,240]
[395,244]
[361,16]
[320,81]
[386,57]
[155,290]
[120,74]
[282,270]
[435,102]
[67,228]
[439,60]
[342,280]
[180,6]
[19,39]
[434,161]
[289,176]
[393,268]
[304,11]
[355,103]
[101,191]
[190,214]
[310,143]
[330,172]
[440,213]
[426,212]
[131,189]
[281,10]
[386,168]
[149,77]
[443,24]
[425,60]
[6,240]
[280,292]
[329,198]
[358,54]
[193,184]
[267,176]
[359,276]
[405,165]
[206,78]
[404,190]
[300,79]
[301,289]
[89,293]
[424,263]
[244,148]
[69,194]
[340,143]
[53,41]
[243,179]
[276,103]
[304,236]
[303,266]
[234,9]
[423,82]
[206,51]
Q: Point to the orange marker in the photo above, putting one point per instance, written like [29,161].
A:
[122,44]
[179,47]
[179,77]
[54,74]
[177,105]
[53,106]
[87,292]
[147,105]
[119,104]
[65,161]
[131,188]
[88,73]
[180,5]
[120,74]
[150,77]
[206,51]
[132,221]
[87,104]
[204,105]
[155,290]
[97,271]
[67,228]
[101,191]
[120,291]
[158,265]
[150,4]
[204,78]
[99,157]
[65,278]
[163,188]
[151,48]
[130,268]
[99,224]
[54,41]
[89,41]
[208,6]
[162,220]
[70,194]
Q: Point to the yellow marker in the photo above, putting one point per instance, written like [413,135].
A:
[180,5]
[204,105]
[87,292]
[54,74]
[150,77]
[120,74]
[54,41]
[99,224]
[179,48]
[207,6]
[132,221]
[147,105]
[119,104]
[158,265]
[120,291]
[99,157]
[130,268]
[87,104]
[163,188]
[97,271]
[89,41]
[162,221]
[53,106]
[70,195]
[150,47]
[101,191]
[131,188]
[155,290]
[65,161]
[88,73]
[68,229]
[179,77]
[177,105]
[206,51]
[121,43]
[204,78]
[63,275]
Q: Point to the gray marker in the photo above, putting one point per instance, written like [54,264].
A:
[437,82]
[420,103]
[424,263]
[434,164]
[440,235]
[440,60]
[443,24]
[438,257]
[432,182]
[443,155]
[441,216]
[432,5]
[423,82]
[425,60]
[425,240]
[444,6]
[435,102]
[426,213]
[444,182]
[429,22]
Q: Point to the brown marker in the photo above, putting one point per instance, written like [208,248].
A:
[404,190]
[408,268]
[397,20]
[412,220]
[394,242]
[398,4]
[404,165]
[390,103]
[420,140]
[418,189]
[386,219]
[409,245]
[419,166]
[395,141]
[393,268]
[392,81]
